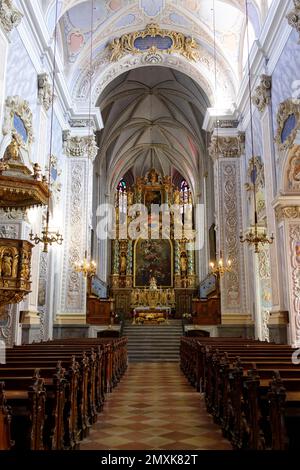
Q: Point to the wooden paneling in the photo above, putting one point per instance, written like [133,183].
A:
[206,312]
[98,311]
[122,302]
[184,299]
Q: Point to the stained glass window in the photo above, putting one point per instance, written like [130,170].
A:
[186,203]
[122,199]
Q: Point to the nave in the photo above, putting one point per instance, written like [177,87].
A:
[155,408]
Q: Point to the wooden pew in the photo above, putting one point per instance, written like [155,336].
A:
[242,388]
[5,419]
[87,374]
[26,399]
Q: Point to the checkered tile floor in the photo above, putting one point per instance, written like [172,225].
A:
[155,408]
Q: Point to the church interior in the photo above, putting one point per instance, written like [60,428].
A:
[149,225]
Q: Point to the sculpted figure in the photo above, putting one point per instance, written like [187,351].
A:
[6,267]
[183,264]
[176,197]
[12,151]
[123,263]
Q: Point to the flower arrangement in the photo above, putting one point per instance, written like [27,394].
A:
[161,320]
[187,316]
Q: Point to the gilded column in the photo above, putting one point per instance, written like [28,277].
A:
[129,258]
[177,263]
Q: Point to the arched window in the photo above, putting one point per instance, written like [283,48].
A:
[184,192]
[186,203]
[122,199]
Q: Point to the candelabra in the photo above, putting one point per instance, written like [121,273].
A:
[219,268]
[253,237]
[256,236]
[46,238]
[87,268]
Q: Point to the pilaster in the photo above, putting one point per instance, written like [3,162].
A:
[226,148]
[263,104]
[80,151]
[288,218]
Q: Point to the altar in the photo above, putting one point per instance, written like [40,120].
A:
[157,269]
[146,315]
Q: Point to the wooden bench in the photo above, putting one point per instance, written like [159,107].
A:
[77,374]
[252,389]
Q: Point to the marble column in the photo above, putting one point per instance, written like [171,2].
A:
[226,150]
[80,151]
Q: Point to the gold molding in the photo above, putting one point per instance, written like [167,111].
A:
[286,109]
[287,212]
[29,317]
[262,94]
[20,107]
[237,319]
[70,319]
[279,318]
[15,260]
[225,146]
[181,44]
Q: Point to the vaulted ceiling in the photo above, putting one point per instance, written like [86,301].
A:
[153,115]
[113,18]
[153,118]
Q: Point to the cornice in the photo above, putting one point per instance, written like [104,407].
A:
[265,52]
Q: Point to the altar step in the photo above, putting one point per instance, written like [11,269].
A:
[154,343]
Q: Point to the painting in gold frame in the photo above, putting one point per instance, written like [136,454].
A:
[153,196]
[153,258]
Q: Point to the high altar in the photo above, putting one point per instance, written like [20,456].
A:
[166,259]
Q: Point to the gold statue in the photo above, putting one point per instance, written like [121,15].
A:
[3,166]
[12,152]
[25,270]
[183,263]
[163,297]
[133,297]
[139,183]
[176,196]
[6,265]
[117,51]
[153,176]
[153,284]
[123,263]
[130,197]
[190,50]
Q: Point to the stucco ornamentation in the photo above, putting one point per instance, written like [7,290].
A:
[10,17]
[262,94]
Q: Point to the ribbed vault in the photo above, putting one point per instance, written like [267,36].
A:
[153,118]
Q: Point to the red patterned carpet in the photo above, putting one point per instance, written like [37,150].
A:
[155,408]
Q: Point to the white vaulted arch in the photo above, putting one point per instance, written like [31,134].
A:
[150,122]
